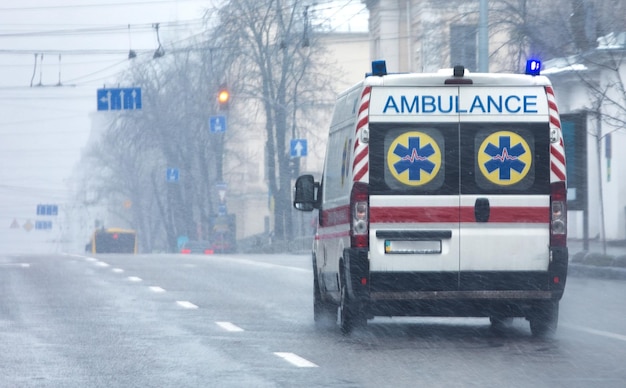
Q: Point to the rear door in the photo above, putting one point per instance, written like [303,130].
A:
[505,189]
[414,192]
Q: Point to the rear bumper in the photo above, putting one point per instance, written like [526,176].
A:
[479,293]
[508,295]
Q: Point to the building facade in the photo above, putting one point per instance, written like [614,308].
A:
[589,87]
[428,35]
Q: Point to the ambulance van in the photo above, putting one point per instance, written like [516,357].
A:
[442,195]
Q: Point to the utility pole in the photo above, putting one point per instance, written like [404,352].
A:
[483,37]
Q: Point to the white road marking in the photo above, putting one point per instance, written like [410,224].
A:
[185,304]
[134,279]
[601,333]
[257,263]
[23,265]
[156,289]
[117,270]
[296,360]
[229,326]
[91,259]
[102,264]
[270,265]
[74,255]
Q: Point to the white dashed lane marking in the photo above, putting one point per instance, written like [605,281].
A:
[21,265]
[117,270]
[600,333]
[229,326]
[102,264]
[296,360]
[134,279]
[157,289]
[185,304]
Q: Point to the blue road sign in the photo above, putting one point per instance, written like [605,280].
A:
[119,99]
[47,210]
[43,225]
[217,124]
[298,148]
[172,175]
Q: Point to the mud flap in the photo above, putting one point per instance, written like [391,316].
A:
[558,270]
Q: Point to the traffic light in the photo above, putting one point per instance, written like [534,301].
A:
[223,97]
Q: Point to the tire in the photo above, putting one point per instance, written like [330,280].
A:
[351,315]
[324,313]
[499,323]
[544,319]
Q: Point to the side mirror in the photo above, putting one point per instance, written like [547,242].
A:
[305,194]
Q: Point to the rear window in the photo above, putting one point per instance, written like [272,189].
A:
[414,159]
[446,159]
[505,158]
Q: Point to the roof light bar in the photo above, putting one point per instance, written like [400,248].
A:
[379,68]
[533,67]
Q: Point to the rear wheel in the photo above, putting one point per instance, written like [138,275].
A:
[544,319]
[351,315]
[324,313]
[499,323]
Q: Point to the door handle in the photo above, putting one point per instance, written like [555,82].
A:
[482,210]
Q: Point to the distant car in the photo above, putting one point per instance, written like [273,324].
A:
[197,247]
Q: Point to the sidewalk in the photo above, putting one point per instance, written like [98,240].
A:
[594,262]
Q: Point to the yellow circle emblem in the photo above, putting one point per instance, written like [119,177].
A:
[504,158]
[414,158]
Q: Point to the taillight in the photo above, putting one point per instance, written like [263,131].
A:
[359,216]
[558,214]
[185,250]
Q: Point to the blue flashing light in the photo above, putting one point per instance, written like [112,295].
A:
[379,68]
[533,67]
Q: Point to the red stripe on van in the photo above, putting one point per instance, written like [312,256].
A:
[330,236]
[413,214]
[365,105]
[360,155]
[337,216]
[454,214]
[557,171]
[522,214]
[557,155]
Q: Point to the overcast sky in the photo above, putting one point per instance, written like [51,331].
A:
[67,49]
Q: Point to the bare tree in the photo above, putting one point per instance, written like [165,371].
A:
[604,82]
[273,51]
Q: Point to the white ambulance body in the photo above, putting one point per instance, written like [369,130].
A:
[442,195]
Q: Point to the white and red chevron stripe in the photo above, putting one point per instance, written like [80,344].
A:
[360,163]
[557,149]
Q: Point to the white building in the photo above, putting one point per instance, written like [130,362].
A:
[427,35]
[591,84]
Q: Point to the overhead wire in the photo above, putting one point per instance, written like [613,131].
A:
[84,79]
[92,5]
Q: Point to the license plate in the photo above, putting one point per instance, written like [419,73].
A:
[413,246]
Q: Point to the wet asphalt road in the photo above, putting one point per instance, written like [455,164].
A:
[246,321]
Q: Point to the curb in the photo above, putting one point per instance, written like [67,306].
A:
[596,271]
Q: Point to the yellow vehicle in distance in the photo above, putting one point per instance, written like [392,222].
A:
[112,240]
